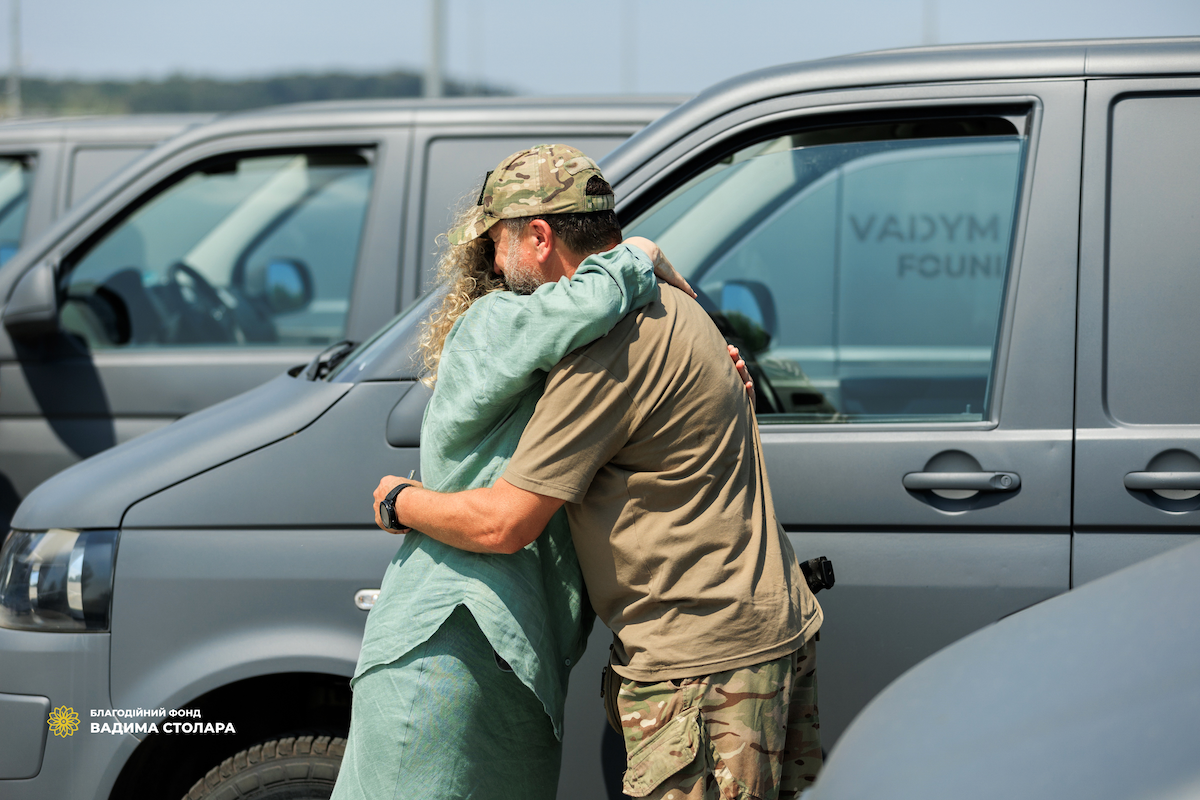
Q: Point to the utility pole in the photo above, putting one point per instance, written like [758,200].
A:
[929,22]
[433,69]
[14,71]
[629,52]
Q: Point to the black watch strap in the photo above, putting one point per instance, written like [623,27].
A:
[391,496]
[387,507]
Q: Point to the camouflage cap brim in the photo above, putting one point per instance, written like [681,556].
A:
[474,227]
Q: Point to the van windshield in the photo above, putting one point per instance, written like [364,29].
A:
[391,354]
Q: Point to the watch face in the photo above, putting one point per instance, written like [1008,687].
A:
[387,514]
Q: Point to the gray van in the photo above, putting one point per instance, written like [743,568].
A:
[242,247]
[966,276]
[49,165]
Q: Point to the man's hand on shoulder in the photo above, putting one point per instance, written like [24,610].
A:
[742,372]
[662,267]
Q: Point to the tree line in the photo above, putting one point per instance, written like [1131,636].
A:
[181,93]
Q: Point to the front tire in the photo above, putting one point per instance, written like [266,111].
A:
[294,768]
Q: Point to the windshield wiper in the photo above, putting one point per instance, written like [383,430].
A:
[328,359]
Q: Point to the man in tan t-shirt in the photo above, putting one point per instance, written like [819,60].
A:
[649,438]
[667,495]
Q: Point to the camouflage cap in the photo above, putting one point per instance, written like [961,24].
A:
[546,179]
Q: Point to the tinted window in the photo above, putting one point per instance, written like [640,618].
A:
[244,250]
[455,176]
[865,277]
[1153,369]
[16,176]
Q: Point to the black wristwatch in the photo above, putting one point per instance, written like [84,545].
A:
[387,507]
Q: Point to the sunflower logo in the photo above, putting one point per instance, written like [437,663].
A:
[64,721]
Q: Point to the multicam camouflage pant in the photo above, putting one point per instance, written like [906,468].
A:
[752,732]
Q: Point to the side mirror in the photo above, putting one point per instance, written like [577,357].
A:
[283,284]
[750,310]
[32,308]
[751,298]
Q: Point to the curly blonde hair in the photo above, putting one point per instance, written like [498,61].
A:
[465,271]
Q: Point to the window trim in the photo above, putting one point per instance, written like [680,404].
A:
[743,129]
[1119,92]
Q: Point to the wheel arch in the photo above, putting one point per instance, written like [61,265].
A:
[261,707]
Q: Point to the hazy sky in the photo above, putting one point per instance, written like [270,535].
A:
[546,47]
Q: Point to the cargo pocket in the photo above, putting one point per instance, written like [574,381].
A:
[663,754]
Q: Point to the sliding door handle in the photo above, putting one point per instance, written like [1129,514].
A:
[975,481]
[1149,481]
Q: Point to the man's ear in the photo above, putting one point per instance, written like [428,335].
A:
[543,239]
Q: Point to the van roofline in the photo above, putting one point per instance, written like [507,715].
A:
[456,110]
[126,128]
[74,122]
[458,104]
[1065,58]
[343,113]
[491,111]
[957,63]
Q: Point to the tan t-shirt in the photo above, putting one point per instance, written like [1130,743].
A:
[649,437]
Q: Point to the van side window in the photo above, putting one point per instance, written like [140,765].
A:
[1153,271]
[242,250]
[456,166]
[16,176]
[862,269]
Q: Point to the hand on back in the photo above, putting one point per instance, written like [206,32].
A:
[663,268]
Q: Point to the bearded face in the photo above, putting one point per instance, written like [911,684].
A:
[521,274]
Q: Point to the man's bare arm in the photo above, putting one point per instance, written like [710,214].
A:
[498,519]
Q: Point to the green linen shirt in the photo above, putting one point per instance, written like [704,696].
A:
[531,605]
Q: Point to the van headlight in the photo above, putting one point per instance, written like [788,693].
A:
[57,580]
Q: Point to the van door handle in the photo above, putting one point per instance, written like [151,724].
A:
[975,481]
[1149,481]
